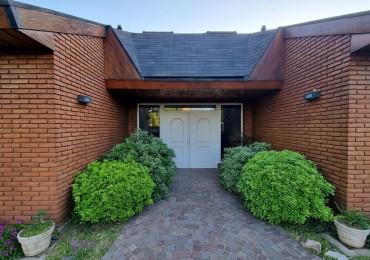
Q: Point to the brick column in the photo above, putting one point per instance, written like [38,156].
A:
[248,119]
[358,187]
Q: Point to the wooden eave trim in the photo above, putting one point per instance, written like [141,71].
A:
[22,16]
[359,41]
[344,25]
[110,29]
[44,38]
[49,22]
[8,19]
[115,84]
[271,64]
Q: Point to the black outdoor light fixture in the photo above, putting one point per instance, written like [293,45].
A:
[312,95]
[84,99]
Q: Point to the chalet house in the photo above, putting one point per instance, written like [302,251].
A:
[70,89]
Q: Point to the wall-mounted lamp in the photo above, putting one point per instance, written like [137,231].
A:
[312,95]
[84,99]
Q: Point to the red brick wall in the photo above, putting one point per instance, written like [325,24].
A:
[318,128]
[248,119]
[84,132]
[132,118]
[359,134]
[46,136]
[27,134]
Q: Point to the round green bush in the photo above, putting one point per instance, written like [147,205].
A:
[285,187]
[234,160]
[111,191]
[153,153]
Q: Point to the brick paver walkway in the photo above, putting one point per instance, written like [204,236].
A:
[202,221]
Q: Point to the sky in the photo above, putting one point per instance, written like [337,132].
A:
[198,16]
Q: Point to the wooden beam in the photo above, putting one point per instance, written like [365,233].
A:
[180,85]
[189,95]
[49,22]
[350,24]
[271,64]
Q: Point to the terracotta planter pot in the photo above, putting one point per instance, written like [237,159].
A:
[35,245]
[351,236]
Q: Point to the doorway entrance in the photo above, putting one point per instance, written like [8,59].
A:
[194,136]
[196,132]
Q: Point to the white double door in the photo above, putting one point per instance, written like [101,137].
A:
[195,137]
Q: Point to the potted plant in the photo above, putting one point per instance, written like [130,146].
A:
[35,237]
[353,227]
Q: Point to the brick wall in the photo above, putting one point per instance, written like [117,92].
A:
[359,134]
[132,117]
[27,134]
[84,132]
[318,128]
[248,119]
[46,136]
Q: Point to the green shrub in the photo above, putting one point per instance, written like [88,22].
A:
[112,190]
[285,187]
[234,160]
[153,153]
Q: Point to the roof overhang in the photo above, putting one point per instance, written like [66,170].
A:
[181,85]
[184,90]
[269,67]
[16,15]
[124,79]
[27,27]
[360,43]
[356,23]
[18,39]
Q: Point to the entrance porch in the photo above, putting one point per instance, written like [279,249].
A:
[197,132]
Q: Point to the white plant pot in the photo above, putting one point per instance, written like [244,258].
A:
[35,245]
[351,236]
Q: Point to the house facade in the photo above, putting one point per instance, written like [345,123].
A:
[198,92]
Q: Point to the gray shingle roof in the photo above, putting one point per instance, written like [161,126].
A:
[206,55]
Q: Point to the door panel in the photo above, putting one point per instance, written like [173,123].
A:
[177,137]
[177,130]
[203,156]
[203,130]
[204,139]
